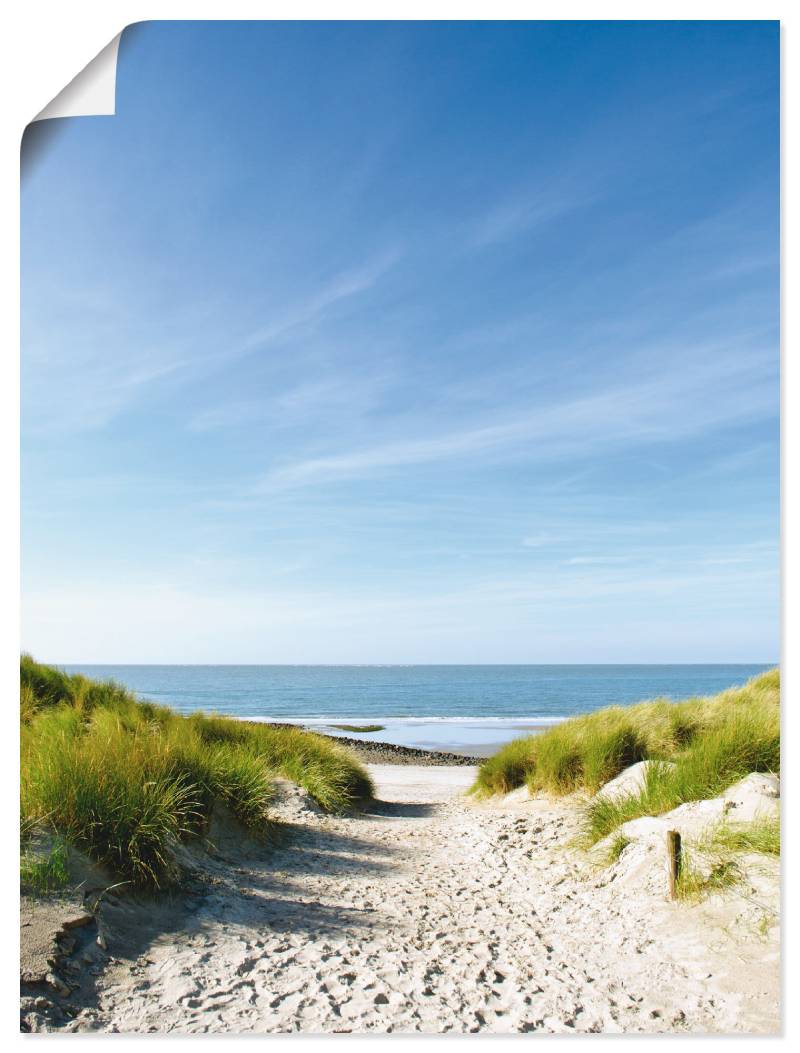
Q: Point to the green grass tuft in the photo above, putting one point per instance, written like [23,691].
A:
[760,835]
[126,780]
[507,769]
[694,883]
[699,747]
[617,847]
[713,864]
[585,753]
[40,875]
[735,741]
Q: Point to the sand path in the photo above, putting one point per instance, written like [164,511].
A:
[430,913]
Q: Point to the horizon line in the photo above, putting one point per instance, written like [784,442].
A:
[402,665]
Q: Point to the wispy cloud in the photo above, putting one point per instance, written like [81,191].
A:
[322,400]
[100,375]
[595,561]
[89,398]
[522,214]
[145,375]
[537,540]
[666,407]
[342,286]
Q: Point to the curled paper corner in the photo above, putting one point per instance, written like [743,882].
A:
[92,93]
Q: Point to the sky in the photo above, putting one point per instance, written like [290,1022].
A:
[414,342]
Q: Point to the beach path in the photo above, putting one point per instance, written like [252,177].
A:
[429,912]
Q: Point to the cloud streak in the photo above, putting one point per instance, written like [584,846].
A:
[343,286]
[524,213]
[668,407]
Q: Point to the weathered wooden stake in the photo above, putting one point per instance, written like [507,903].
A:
[673,861]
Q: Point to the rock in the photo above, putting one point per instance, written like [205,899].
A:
[757,783]
[628,782]
[58,985]
[76,921]
[291,803]
[694,818]
[755,796]
[32,1022]
[31,976]
[388,753]
[646,826]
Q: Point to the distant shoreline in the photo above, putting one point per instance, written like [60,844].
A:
[376,752]
[432,740]
[449,708]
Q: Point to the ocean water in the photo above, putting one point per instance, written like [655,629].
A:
[468,707]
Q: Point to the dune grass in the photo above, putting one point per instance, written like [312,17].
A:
[713,862]
[125,780]
[616,847]
[762,835]
[698,748]
[695,881]
[41,874]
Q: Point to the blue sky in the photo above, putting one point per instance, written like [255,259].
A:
[408,343]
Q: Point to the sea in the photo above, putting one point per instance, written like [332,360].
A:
[461,708]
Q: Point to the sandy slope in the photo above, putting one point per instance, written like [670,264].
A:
[432,913]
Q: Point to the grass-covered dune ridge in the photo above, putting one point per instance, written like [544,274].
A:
[125,780]
[700,746]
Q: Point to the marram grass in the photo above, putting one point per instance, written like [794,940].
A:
[126,780]
[714,863]
[761,835]
[699,747]
[40,874]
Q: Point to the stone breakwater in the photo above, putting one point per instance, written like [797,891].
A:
[387,753]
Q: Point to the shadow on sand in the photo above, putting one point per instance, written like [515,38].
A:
[253,885]
[400,809]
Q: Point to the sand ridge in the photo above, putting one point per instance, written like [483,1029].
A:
[433,913]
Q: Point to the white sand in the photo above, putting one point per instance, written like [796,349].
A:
[433,913]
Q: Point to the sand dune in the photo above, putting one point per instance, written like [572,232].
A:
[431,913]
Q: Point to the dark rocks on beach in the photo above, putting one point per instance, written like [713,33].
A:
[58,984]
[387,753]
[77,920]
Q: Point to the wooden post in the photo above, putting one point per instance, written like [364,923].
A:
[673,861]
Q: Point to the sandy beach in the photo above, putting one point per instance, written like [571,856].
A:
[430,912]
